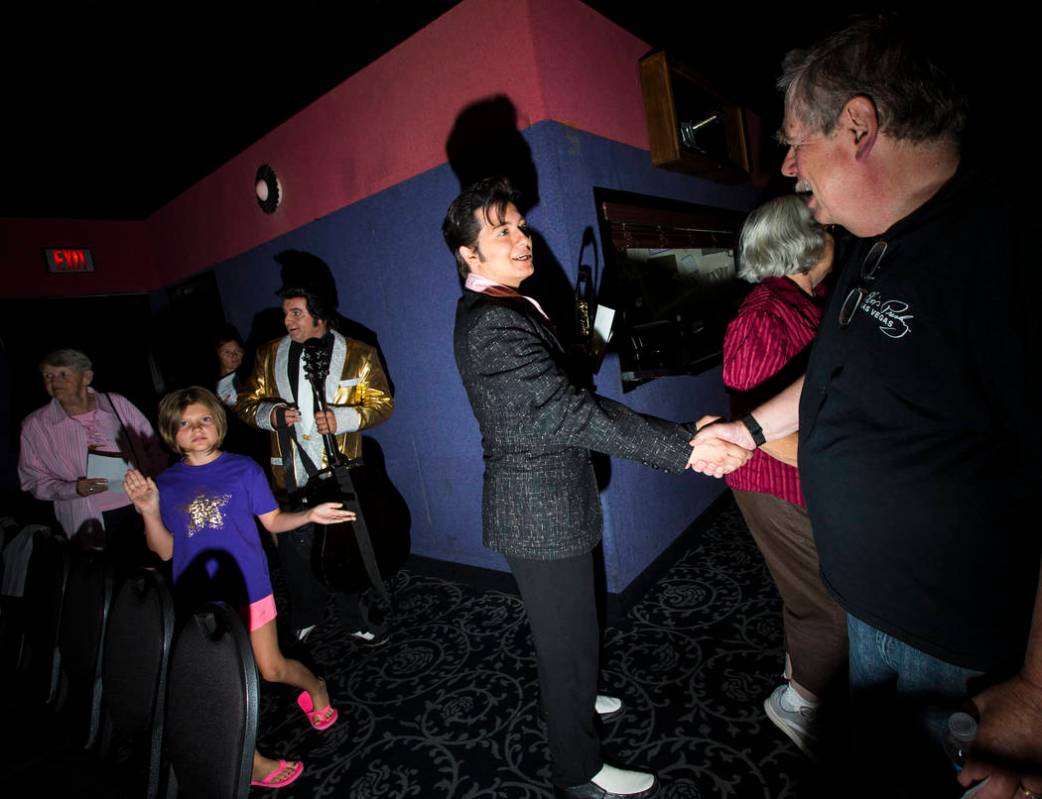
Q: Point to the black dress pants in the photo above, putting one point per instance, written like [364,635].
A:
[307,596]
[562,614]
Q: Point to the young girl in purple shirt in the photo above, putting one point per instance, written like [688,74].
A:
[206,524]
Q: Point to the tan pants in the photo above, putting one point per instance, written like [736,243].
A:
[815,626]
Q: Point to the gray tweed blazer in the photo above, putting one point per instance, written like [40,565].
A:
[540,494]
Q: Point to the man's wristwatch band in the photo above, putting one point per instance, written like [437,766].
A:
[754,429]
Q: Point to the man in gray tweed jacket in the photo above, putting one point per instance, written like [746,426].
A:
[540,504]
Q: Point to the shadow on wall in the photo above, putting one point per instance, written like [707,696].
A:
[485,142]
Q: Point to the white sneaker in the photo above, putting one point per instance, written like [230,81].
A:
[795,716]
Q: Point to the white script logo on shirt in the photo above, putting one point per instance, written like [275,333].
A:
[891,314]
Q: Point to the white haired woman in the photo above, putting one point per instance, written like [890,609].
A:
[787,254]
[56,442]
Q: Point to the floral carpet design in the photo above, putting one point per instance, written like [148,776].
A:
[448,708]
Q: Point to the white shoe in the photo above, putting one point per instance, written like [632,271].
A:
[622,783]
[607,706]
[795,716]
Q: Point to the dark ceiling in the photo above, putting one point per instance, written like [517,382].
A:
[113,118]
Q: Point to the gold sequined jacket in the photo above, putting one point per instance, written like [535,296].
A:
[356,390]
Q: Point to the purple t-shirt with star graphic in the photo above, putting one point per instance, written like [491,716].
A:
[211,511]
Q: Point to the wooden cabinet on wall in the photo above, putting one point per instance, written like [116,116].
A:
[691,127]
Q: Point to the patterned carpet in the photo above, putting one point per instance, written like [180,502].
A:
[448,708]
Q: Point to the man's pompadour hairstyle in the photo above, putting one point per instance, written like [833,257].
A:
[461,226]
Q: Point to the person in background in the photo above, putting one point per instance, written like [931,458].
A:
[241,438]
[56,441]
[278,398]
[230,351]
[787,255]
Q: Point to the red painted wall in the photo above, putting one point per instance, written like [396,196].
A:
[554,59]
[380,127]
[588,71]
[124,260]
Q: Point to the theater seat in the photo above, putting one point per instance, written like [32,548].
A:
[44,592]
[127,761]
[85,612]
[212,707]
[134,677]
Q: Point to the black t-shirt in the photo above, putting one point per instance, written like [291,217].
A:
[919,432]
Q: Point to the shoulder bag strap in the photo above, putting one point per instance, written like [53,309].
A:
[135,459]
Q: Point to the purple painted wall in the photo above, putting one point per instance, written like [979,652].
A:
[644,509]
[395,276]
[366,182]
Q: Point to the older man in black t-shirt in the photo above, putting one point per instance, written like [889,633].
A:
[915,415]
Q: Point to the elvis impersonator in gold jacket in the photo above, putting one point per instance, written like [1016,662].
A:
[356,390]
[358,395]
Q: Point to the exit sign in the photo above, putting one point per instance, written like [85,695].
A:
[62,259]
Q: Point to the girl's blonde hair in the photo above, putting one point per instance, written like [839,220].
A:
[172,405]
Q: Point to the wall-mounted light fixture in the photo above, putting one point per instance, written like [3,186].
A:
[268,189]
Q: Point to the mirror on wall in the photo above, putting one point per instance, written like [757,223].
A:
[669,273]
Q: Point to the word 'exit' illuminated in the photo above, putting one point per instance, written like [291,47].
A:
[69,260]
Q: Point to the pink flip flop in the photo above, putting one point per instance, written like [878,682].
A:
[321,718]
[286,770]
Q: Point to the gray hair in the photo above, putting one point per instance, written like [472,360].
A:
[874,57]
[71,358]
[780,238]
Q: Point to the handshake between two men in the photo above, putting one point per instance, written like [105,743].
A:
[719,448]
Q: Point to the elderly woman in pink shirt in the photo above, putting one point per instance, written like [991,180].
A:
[55,444]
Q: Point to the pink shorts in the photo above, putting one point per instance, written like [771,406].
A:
[259,613]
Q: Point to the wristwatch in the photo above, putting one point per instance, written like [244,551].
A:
[759,439]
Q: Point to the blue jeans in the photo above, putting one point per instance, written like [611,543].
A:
[901,699]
